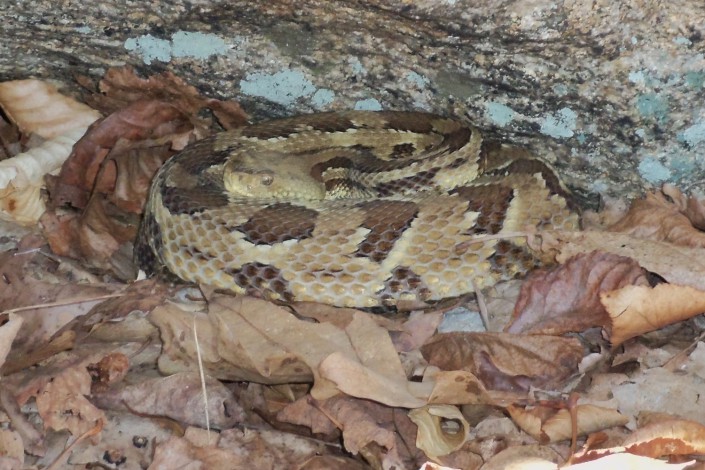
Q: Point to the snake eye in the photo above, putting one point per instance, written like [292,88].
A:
[267,180]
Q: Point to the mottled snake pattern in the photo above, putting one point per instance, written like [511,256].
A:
[355,209]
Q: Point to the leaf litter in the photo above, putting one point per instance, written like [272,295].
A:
[601,361]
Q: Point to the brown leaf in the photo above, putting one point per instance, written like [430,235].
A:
[107,178]
[303,413]
[566,298]
[178,397]
[26,282]
[548,425]
[178,452]
[145,124]
[121,86]
[352,378]
[60,390]
[459,387]
[505,361]
[665,438]
[657,218]
[9,326]
[676,264]
[635,310]
[374,429]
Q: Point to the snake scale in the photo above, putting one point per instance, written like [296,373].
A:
[355,209]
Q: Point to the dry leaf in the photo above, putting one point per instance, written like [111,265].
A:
[534,457]
[11,450]
[178,452]
[548,425]
[591,419]
[659,219]
[374,429]
[62,402]
[667,438]
[27,283]
[121,86]
[303,413]
[176,326]
[566,299]
[9,326]
[459,387]
[38,107]
[147,124]
[505,361]
[433,437]
[22,177]
[617,459]
[352,378]
[676,264]
[179,397]
[635,310]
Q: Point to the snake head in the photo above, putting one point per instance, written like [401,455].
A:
[275,176]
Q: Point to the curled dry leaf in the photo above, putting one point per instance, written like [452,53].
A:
[507,362]
[667,438]
[676,264]
[635,310]
[567,298]
[121,86]
[146,124]
[98,232]
[434,437]
[22,177]
[38,107]
[548,425]
[660,219]
[96,200]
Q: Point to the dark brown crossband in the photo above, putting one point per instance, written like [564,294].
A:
[277,223]
[387,221]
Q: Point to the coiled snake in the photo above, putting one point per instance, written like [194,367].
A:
[357,209]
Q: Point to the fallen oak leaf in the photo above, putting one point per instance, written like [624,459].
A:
[121,86]
[635,310]
[656,218]
[676,264]
[667,438]
[506,362]
[548,425]
[352,378]
[566,298]
[178,397]
[152,121]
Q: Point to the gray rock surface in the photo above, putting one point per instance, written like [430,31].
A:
[612,92]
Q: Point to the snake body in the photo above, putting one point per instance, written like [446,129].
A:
[356,209]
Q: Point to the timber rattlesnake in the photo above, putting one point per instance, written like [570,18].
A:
[357,209]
